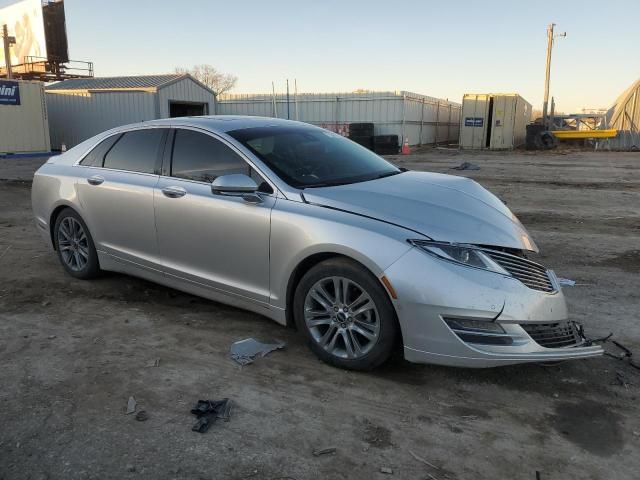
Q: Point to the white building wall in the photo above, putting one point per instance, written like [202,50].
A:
[419,118]
[76,116]
[185,90]
[25,128]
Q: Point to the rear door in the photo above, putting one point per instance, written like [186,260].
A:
[116,194]
[219,241]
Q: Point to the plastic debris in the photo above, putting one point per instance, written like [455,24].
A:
[565,282]
[245,351]
[131,405]
[208,411]
[324,451]
[386,470]
[466,166]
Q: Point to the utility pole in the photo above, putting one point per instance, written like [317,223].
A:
[7,42]
[550,40]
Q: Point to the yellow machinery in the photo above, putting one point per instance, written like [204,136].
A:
[582,134]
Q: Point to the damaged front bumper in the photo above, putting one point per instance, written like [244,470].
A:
[458,316]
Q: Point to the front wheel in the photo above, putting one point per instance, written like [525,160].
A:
[74,245]
[346,315]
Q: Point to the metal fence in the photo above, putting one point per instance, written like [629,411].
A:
[418,118]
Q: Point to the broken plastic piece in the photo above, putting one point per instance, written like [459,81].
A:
[131,405]
[208,411]
[324,451]
[565,282]
[245,351]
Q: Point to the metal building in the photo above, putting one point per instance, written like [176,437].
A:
[24,126]
[495,121]
[81,108]
[418,118]
[624,116]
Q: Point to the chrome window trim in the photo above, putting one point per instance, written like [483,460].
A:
[234,148]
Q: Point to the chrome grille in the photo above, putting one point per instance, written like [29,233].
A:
[532,274]
[553,335]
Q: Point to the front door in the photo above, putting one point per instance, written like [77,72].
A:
[219,241]
[116,194]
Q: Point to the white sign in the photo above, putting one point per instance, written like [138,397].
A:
[25,22]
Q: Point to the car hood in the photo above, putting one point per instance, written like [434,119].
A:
[442,207]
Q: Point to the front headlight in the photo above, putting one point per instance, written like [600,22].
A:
[466,255]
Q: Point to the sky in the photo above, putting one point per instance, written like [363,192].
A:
[438,48]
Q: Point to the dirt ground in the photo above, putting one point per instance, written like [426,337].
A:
[72,352]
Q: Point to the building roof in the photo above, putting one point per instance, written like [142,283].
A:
[143,82]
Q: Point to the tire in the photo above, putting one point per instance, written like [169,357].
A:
[361,337]
[75,247]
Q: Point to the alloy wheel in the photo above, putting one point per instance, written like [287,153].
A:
[73,244]
[342,317]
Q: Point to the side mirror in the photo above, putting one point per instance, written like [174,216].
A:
[236,183]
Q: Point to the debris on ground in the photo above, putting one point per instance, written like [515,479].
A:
[131,468]
[386,470]
[208,411]
[142,416]
[154,363]
[625,355]
[245,351]
[565,282]
[131,405]
[420,459]
[466,166]
[324,451]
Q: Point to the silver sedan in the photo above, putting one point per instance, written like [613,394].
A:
[309,229]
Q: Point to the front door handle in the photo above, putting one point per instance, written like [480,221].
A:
[174,192]
[95,180]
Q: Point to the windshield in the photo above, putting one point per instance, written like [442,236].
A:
[307,157]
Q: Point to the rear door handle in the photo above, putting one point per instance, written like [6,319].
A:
[95,180]
[174,192]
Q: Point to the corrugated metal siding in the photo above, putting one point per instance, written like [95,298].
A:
[25,127]
[185,90]
[405,114]
[624,116]
[74,117]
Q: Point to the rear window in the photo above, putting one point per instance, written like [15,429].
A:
[136,151]
[96,156]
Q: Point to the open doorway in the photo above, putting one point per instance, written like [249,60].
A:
[187,109]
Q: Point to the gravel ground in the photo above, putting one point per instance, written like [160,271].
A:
[73,352]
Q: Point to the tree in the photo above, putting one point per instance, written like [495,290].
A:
[217,81]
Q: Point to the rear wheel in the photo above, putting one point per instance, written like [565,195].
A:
[74,245]
[346,315]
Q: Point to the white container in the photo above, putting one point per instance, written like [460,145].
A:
[24,127]
[495,121]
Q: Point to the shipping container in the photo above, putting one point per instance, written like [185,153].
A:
[81,108]
[24,123]
[417,118]
[494,121]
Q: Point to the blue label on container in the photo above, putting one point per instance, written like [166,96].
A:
[473,121]
[9,93]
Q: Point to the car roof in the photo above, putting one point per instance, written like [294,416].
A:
[226,123]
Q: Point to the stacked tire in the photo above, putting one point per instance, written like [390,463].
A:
[386,144]
[362,133]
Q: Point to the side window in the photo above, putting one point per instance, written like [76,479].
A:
[136,151]
[199,157]
[96,156]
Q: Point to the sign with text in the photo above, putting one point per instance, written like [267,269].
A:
[473,121]
[9,93]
